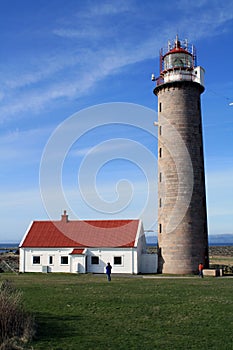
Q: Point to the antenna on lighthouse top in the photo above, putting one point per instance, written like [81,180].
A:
[177,42]
[168,45]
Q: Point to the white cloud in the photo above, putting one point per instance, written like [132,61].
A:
[99,58]
[18,147]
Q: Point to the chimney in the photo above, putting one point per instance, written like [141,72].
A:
[64,217]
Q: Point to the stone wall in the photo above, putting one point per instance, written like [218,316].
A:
[182,220]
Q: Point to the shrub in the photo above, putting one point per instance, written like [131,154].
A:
[16,325]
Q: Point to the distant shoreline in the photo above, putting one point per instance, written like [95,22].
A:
[13,247]
[16,245]
[210,244]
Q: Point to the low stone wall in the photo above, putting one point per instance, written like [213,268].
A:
[212,272]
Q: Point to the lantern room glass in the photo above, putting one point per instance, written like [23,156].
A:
[174,60]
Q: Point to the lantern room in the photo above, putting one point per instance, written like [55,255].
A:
[180,56]
[178,63]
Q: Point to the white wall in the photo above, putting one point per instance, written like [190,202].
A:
[79,263]
[197,75]
[149,263]
[141,248]
[128,264]
[27,254]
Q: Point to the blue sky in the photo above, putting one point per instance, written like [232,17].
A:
[59,58]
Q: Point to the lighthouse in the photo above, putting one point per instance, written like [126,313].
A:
[182,217]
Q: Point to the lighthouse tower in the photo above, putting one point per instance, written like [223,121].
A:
[182,218]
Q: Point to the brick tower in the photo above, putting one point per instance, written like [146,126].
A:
[182,218]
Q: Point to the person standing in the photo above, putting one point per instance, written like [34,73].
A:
[200,270]
[108,271]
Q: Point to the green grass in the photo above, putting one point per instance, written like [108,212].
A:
[227,260]
[87,312]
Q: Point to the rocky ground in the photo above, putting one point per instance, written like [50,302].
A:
[213,250]
[221,251]
[9,262]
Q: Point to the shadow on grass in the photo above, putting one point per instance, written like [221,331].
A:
[49,327]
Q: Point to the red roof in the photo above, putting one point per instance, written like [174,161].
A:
[81,234]
[77,251]
[177,50]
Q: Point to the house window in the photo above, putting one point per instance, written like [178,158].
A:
[117,260]
[94,260]
[36,259]
[50,260]
[64,260]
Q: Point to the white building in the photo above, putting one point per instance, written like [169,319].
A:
[86,246]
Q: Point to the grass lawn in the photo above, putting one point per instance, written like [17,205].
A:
[222,260]
[87,312]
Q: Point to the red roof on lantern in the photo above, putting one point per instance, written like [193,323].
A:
[177,50]
[80,234]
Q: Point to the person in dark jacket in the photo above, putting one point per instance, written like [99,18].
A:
[108,271]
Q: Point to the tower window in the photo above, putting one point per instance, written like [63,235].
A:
[160,152]
[160,130]
[160,106]
[160,202]
[160,177]
[160,228]
[200,129]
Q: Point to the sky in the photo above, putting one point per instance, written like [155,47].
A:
[77,108]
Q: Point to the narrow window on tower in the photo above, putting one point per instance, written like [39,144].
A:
[200,128]
[160,152]
[160,130]
[160,177]
[160,106]
[160,202]
[160,228]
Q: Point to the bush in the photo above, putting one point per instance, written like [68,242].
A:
[16,326]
